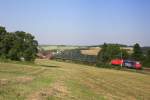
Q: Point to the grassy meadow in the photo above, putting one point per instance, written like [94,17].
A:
[52,80]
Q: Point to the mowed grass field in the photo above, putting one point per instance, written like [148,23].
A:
[52,80]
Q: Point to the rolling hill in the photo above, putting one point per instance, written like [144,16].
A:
[52,80]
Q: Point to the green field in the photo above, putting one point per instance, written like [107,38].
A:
[52,80]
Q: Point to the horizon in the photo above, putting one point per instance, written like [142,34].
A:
[89,45]
[79,22]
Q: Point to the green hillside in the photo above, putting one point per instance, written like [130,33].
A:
[52,80]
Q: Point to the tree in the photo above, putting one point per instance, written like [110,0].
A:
[31,48]
[146,61]
[148,55]
[103,56]
[113,51]
[108,52]
[17,45]
[2,31]
[6,44]
[124,54]
[24,46]
[2,35]
[137,52]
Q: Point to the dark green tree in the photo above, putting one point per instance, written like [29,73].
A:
[17,45]
[103,56]
[113,51]
[2,39]
[148,58]
[137,52]
[108,52]
[24,46]
[6,44]
[30,50]
[148,55]
[146,61]
[2,31]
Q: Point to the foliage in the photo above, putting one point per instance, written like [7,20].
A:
[2,34]
[103,56]
[146,61]
[124,54]
[17,45]
[148,55]
[137,52]
[108,52]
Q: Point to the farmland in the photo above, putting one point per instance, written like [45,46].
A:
[91,51]
[58,47]
[85,50]
[52,80]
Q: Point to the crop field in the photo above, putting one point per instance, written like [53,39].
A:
[58,47]
[95,50]
[53,80]
[91,51]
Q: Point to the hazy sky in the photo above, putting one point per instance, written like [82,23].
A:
[79,22]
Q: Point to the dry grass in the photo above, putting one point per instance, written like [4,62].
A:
[52,80]
[24,79]
[92,51]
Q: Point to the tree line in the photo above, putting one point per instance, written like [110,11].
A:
[112,51]
[106,54]
[17,45]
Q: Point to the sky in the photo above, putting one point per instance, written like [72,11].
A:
[79,22]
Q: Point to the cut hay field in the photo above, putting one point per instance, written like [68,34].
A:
[95,50]
[52,80]
[91,51]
